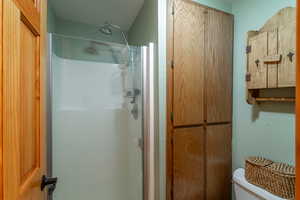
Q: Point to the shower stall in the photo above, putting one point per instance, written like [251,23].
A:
[101,128]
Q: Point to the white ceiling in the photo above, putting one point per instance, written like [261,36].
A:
[97,12]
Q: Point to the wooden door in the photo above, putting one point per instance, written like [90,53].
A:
[256,67]
[218,166]
[287,48]
[218,66]
[23,97]
[188,164]
[188,63]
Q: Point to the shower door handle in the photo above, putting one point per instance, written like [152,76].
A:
[49,182]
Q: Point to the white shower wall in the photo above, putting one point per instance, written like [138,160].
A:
[96,153]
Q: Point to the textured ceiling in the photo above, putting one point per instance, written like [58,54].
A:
[96,12]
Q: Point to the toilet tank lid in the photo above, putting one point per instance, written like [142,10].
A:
[239,178]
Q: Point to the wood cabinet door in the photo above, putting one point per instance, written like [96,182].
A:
[23,112]
[188,73]
[218,66]
[188,164]
[273,51]
[218,164]
[256,66]
[287,48]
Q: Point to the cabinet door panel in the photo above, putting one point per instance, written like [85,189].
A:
[218,164]
[23,143]
[188,63]
[256,67]
[218,66]
[272,51]
[287,45]
[188,164]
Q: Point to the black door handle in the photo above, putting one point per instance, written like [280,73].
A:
[290,55]
[49,181]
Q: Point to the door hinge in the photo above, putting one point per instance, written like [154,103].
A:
[248,77]
[172,64]
[172,117]
[248,49]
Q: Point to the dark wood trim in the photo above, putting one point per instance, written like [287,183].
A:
[189,126]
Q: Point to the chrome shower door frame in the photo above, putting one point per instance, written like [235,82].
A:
[148,121]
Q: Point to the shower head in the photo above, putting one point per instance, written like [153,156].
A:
[107,27]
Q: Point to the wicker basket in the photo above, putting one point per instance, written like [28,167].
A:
[277,178]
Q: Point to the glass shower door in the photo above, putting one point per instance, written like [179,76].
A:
[97,120]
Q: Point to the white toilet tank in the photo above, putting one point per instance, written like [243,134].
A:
[247,191]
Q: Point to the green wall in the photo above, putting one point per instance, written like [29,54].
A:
[72,40]
[268,129]
[143,30]
[76,29]
[51,20]
[224,5]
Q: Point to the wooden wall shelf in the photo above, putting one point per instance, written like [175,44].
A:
[275,99]
[271,62]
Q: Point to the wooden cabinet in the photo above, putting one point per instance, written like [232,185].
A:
[200,47]
[257,69]
[272,54]
[218,165]
[287,49]
[202,85]
[218,66]
[271,57]
[188,160]
[188,64]
[23,123]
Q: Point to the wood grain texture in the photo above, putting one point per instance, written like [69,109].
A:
[189,157]
[280,72]
[11,99]
[188,72]
[272,51]
[258,70]
[250,93]
[218,166]
[29,12]
[218,66]
[298,105]
[23,145]
[29,152]
[281,18]
[287,44]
